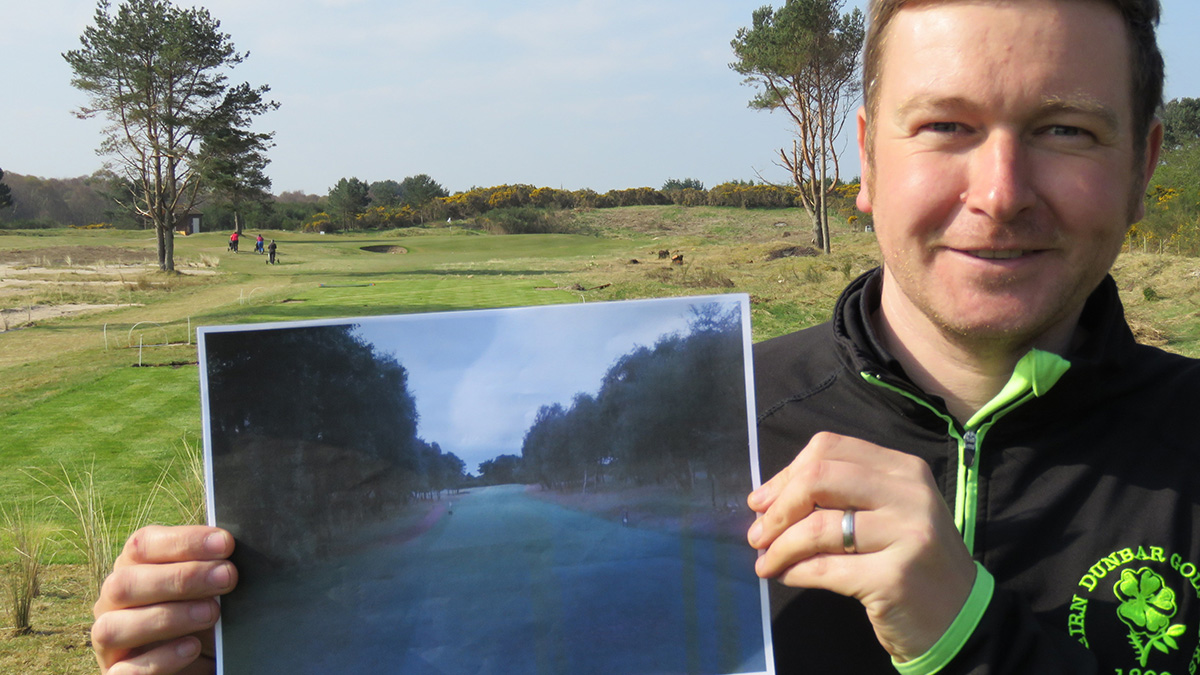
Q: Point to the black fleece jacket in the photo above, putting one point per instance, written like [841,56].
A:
[1086,510]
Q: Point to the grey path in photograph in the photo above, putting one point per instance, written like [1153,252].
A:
[507,583]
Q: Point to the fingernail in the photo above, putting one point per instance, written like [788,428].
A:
[202,613]
[755,532]
[219,577]
[757,496]
[214,544]
[188,649]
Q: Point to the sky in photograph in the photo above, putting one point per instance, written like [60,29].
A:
[600,94]
[480,377]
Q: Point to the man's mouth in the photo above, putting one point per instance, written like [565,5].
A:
[998,255]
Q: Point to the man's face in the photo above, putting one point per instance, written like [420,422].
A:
[1004,174]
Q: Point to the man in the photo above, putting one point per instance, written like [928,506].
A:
[975,468]
[988,464]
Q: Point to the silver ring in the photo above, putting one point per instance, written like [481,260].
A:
[849,545]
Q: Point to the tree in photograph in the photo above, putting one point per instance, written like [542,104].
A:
[502,470]
[588,443]
[545,451]
[5,193]
[158,74]
[804,59]
[320,384]
[348,200]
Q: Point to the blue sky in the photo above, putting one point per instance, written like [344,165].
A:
[600,94]
[480,377]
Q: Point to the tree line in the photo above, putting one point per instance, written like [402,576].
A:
[315,411]
[673,414]
[353,204]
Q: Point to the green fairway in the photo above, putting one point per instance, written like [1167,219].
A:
[126,420]
[71,396]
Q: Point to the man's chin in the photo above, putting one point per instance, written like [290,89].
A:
[1014,329]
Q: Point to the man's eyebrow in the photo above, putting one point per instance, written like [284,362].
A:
[1082,106]
[928,104]
[1050,105]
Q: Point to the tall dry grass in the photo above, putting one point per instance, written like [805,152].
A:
[98,533]
[182,481]
[26,532]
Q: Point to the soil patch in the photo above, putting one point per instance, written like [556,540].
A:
[385,249]
[12,319]
[793,252]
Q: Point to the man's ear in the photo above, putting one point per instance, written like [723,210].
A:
[863,201]
[1150,163]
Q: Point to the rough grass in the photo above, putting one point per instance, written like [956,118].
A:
[67,399]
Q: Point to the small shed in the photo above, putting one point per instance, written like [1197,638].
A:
[189,223]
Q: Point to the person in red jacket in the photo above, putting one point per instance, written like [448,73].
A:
[233,241]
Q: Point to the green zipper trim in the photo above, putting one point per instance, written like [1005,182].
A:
[952,641]
[1033,376]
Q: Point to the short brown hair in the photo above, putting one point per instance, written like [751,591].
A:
[1141,18]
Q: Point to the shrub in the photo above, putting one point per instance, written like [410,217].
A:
[523,220]
[751,196]
[30,224]
[318,222]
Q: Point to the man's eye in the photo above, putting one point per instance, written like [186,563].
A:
[1063,130]
[942,127]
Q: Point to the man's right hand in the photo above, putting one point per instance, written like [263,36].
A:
[157,609]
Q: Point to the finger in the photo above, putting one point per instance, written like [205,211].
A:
[178,656]
[129,629]
[846,574]
[820,484]
[821,534]
[141,585]
[156,544]
[821,447]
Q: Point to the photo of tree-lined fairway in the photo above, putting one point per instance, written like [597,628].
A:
[603,533]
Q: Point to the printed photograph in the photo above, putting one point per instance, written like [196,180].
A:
[552,490]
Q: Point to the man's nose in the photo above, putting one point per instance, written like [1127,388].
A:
[999,184]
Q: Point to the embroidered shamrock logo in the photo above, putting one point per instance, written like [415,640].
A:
[1147,606]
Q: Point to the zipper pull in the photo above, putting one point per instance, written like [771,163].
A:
[969,449]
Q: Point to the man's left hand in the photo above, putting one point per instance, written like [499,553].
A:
[909,569]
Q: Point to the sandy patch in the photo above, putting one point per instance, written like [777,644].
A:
[12,319]
[29,279]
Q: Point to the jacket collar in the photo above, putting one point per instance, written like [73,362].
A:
[1102,342]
